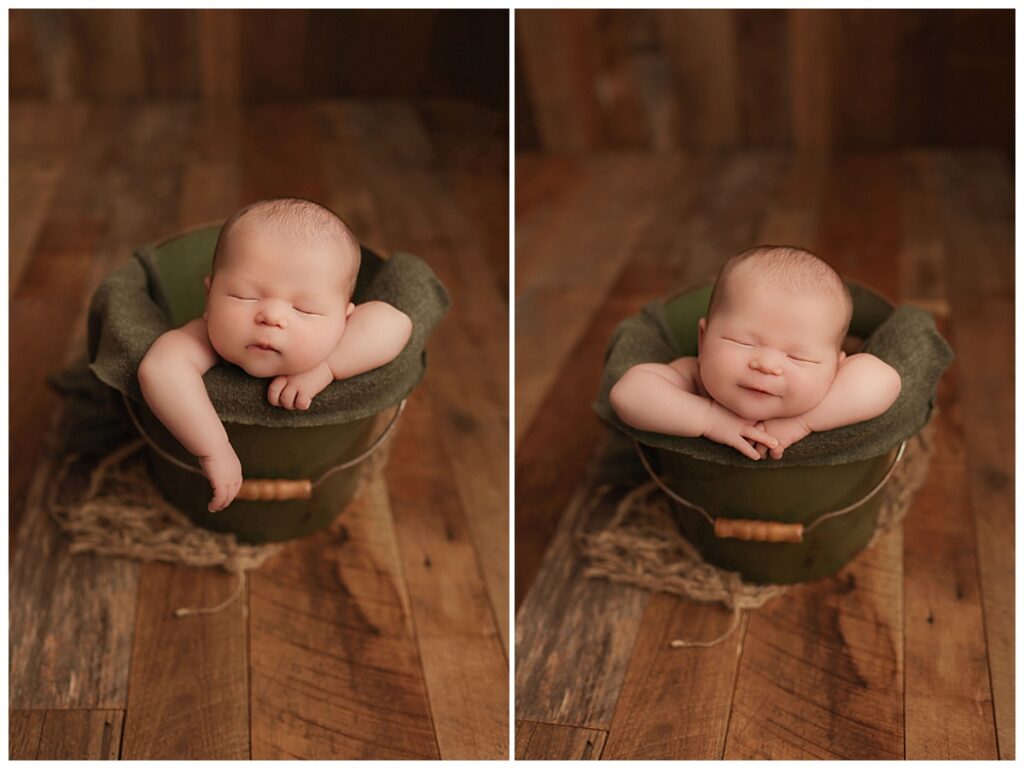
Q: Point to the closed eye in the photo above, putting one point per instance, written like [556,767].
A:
[309,312]
[244,298]
[802,360]
[737,341]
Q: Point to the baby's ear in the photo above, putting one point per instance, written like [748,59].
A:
[350,309]
[206,282]
[842,355]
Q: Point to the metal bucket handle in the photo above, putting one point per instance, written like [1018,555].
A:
[272,489]
[761,530]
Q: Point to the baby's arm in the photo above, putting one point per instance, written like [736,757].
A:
[374,335]
[864,388]
[171,378]
[663,398]
[376,332]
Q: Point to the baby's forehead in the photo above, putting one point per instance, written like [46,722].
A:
[283,244]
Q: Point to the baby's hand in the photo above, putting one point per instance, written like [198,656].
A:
[224,472]
[786,431]
[726,427]
[296,391]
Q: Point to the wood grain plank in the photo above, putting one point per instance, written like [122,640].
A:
[472,148]
[54,284]
[552,742]
[811,37]
[556,52]
[629,82]
[583,253]
[50,298]
[32,185]
[68,652]
[657,718]
[821,674]
[110,42]
[573,634]
[762,53]
[24,730]
[170,52]
[460,646]
[137,188]
[949,695]
[701,48]
[68,735]
[334,665]
[188,693]
[280,152]
[27,79]
[865,78]
[861,219]
[281,76]
[976,205]
[219,33]
[61,64]
[71,627]
[949,710]
[524,731]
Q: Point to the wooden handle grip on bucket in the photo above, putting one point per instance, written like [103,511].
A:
[758,531]
[275,489]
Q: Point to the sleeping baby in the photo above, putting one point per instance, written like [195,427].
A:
[770,368]
[278,304]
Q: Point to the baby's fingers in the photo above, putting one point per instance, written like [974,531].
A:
[288,397]
[746,449]
[759,435]
[274,391]
[220,499]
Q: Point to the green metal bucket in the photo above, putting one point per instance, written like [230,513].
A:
[821,516]
[323,460]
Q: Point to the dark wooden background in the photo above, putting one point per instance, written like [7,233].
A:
[386,634]
[259,55]
[785,79]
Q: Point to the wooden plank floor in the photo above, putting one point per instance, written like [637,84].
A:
[385,636]
[908,651]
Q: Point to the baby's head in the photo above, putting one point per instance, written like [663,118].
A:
[280,287]
[771,343]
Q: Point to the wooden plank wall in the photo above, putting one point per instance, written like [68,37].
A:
[258,55]
[795,79]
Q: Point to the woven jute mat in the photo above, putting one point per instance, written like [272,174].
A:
[641,545]
[112,507]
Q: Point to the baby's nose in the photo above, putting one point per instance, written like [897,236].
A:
[272,316]
[765,364]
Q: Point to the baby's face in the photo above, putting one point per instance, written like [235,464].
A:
[277,305]
[770,353]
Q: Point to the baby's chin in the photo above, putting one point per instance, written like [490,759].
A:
[268,364]
[756,408]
